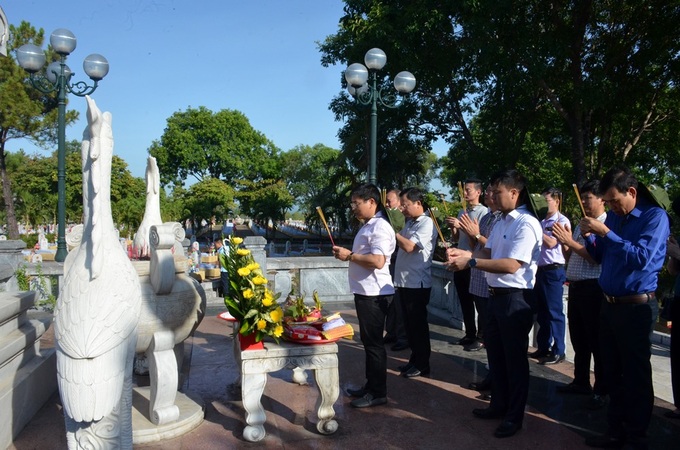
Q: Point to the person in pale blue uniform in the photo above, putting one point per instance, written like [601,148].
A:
[549,285]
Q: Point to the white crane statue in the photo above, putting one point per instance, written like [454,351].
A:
[97,311]
[152,212]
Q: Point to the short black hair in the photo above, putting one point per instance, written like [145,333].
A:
[619,177]
[367,191]
[414,194]
[675,206]
[476,182]
[511,178]
[592,186]
[553,192]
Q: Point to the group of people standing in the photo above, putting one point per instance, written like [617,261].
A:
[509,266]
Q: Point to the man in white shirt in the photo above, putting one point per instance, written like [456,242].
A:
[472,191]
[413,279]
[371,283]
[510,259]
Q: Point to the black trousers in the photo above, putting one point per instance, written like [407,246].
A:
[507,340]
[394,323]
[583,310]
[461,279]
[625,331]
[675,351]
[371,312]
[414,307]
[224,282]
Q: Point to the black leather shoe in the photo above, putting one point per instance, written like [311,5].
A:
[487,413]
[389,339]
[605,441]
[507,429]
[466,341]
[415,372]
[404,368]
[596,402]
[539,354]
[483,385]
[367,401]
[357,392]
[474,347]
[550,360]
[399,346]
[672,415]
[573,388]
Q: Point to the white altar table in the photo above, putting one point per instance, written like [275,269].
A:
[256,364]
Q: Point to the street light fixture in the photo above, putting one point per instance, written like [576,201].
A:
[57,77]
[357,76]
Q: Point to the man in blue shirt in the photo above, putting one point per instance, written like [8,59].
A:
[631,247]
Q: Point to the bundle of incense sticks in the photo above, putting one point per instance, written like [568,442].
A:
[323,219]
[462,195]
[383,197]
[446,208]
[578,196]
[436,225]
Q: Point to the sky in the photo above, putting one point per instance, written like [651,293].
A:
[259,57]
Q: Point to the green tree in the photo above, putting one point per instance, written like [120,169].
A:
[265,200]
[307,170]
[24,111]
[210,197]
[590,83]
[223,145]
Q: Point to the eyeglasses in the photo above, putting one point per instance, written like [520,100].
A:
[354,205]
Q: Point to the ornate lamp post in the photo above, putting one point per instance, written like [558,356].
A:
[357,76]
[57,77]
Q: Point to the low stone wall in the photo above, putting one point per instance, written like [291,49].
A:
[10,258]
[328,276]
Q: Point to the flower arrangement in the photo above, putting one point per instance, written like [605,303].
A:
[249,300]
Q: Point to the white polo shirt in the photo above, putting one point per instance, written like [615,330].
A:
[376,237]
[412,270]
[517,235]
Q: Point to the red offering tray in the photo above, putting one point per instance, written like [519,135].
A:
[227,316]
[309,341]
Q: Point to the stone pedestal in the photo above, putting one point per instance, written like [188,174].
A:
[256,364]
[28,375]
[191,411]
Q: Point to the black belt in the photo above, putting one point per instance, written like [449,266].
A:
[503,291]
[589,281]
[553,266]
[635,299]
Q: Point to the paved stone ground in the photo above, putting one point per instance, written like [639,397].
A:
[422,413]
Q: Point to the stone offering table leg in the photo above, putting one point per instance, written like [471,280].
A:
[328,382]
[252,387]
[256,364]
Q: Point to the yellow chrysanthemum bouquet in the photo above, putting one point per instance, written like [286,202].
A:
[249,300]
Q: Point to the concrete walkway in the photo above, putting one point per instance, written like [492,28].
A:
[422,413]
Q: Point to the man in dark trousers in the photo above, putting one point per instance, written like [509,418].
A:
[631,247]
[510,259]
[474,210]
[585,301]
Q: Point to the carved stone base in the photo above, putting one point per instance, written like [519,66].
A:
[191,412]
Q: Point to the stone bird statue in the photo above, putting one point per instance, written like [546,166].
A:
[152,211]
[97,311]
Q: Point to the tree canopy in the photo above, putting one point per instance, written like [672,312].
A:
[199,143]
[562,90]
[25,112]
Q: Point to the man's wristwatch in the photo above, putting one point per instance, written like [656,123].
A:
[472,262]
[349,258]
[477,236]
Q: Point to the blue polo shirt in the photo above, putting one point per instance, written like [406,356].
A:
[633,252]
